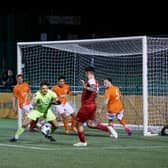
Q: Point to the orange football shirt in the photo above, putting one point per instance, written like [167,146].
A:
[112,94]
[62,92]
[22,93]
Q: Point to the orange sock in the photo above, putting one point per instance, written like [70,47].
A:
[65,121]
[73,122]
[122,122]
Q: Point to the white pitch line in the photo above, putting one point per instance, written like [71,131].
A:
[42,148]
[82,148]
[136,147]
[24,147]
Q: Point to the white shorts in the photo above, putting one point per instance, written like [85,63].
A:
[118,115]
[59,109]
[27,108]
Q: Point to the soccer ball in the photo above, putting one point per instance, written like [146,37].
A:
[46,129]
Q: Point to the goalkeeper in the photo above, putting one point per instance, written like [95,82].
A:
[42,102]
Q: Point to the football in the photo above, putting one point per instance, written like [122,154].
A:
[46,129]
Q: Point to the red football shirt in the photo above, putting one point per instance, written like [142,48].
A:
[88,97]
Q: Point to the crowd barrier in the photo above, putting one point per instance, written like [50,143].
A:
[6,106]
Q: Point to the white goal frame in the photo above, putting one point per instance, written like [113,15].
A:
[145,69]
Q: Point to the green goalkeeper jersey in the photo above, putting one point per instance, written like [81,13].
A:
[44,101]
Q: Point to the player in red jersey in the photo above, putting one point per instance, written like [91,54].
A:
[88,108]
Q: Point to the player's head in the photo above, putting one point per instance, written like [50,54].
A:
[61,81]
[89,71]
[44,86]
[107,82]
[19,78]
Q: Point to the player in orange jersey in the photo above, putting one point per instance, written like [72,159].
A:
[62,89]
[114,104]
[21,97]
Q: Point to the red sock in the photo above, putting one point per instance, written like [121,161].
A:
[127,129]
[81,136]
[33,124]
[102,127]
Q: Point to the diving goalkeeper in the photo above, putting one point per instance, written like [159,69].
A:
[42,102]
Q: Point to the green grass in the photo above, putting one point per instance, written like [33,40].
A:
[33,150]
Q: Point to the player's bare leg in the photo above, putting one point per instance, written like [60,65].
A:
[65,121]
[21,130]
[128,130]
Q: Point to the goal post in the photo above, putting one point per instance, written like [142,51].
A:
[145,83]
[138,65]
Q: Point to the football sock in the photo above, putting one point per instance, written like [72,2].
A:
[122,122]
[65,121]
[33,124]
[81,135]
[127,129]
[73,122]
[101,127]
[19,132]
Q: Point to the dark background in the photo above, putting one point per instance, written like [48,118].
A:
[27,24]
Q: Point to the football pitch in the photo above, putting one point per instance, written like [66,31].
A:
[33,150]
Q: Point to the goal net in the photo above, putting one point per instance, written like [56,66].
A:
[138,65]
